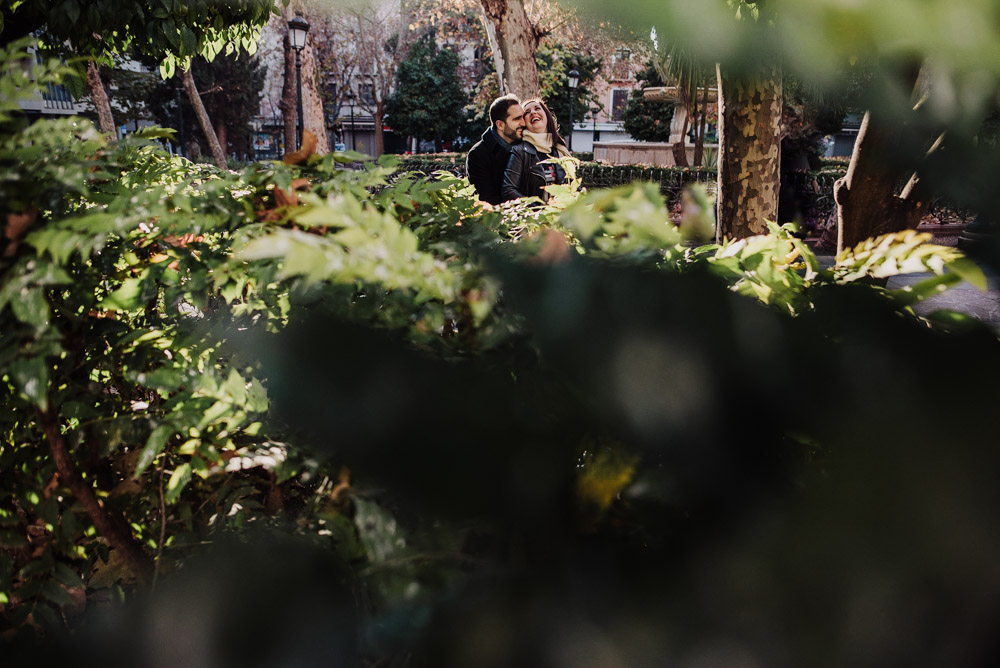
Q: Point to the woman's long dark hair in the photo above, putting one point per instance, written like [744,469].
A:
[550,123]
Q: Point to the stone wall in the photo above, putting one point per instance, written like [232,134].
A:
[659,154]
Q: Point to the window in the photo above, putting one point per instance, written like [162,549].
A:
[330,90]
[619,97]
[56,97]
[366,93]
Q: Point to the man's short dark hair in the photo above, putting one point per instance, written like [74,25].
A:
[498,110]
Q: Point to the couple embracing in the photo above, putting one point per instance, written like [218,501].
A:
[512,159]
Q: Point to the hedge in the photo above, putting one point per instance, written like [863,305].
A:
[592,174]
[813,190]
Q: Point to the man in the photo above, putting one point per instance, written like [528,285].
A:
[488,158]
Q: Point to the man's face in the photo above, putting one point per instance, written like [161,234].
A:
[512,127]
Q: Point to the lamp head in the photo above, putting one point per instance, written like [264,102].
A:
[574,78]
[297,29]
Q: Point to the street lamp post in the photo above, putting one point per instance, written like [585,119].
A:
[597,133]
[349,94]
[574,79]
[297,29]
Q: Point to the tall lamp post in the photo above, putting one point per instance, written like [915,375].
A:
[297,29]
[574,79]
[349,94]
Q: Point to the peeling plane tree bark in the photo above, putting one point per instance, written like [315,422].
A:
[514,40]
[749,152]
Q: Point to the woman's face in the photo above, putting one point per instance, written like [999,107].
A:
[534,117]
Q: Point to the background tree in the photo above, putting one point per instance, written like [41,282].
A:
[693,80]
[336,63]
[429,101]
[171,32]
[869,199]
[378,34]
[130,89]
[313,111]
[231,87]
[643,119]
[554,59]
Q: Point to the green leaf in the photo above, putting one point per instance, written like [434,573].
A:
[125,297]
[31,376]
[178,480]
[155,132]
[72,10]
[911,294]
[31,307]
[969,271]
[378,531]
[168,66]
[154,446]
[189,41]
[67,576]
[256,397]
[53,592]
[163,379]
[39,566]
[47,618]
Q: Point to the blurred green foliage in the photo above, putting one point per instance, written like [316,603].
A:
[865,51]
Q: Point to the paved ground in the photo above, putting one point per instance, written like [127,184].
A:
[963,297]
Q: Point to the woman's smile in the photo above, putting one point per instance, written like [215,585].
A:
[535,119]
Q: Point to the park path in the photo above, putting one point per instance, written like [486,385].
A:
[964,297]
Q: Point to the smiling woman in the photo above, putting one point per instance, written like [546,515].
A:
[529,169]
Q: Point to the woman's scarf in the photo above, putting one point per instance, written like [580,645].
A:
[543,142]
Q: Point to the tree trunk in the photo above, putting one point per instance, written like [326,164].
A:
[379,118]
[749,152]
[679,149]
[288,103]
[313,115]
[700,120]
[867,204]
[203,122]
[221,134]
[99,96]
[113,528]
[513,39]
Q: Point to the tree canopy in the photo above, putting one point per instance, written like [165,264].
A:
[171,31]
[643,119]
[429,100]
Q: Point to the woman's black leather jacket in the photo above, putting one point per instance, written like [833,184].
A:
[526,173]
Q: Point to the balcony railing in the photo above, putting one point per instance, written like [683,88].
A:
[57,97]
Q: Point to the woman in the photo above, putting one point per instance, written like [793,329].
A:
[526,172]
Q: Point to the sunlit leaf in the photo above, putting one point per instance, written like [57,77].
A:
[178,480]
[154,445]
